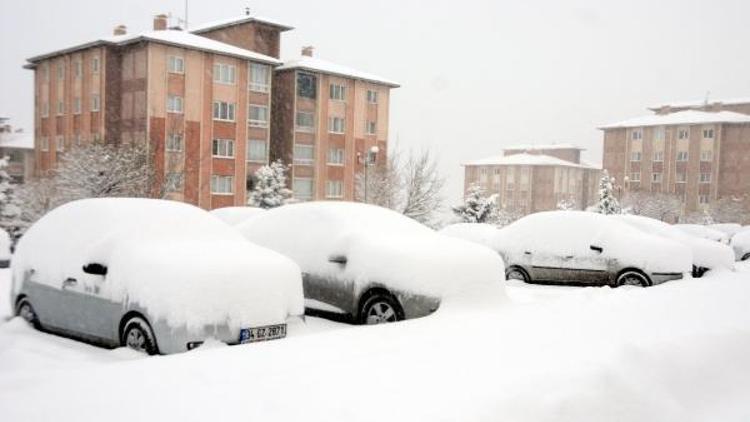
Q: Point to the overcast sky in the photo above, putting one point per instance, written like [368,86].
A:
[476,75]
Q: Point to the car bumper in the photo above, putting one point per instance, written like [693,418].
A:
[658,278]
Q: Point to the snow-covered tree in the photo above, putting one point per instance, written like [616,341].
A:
[608,203]
[383,184]
[477,207]
[661,206]
[566,204]
[10,204]
[270,190]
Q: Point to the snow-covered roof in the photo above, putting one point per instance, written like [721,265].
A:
[237,20]
[531,147]
[315,64]
[700,103]
[23,140]
[171,37]
[681,118]
[524,160]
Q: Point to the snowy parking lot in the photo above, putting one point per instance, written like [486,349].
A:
[677,351]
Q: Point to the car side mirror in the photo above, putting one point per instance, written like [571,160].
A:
[95,269]
[338,259]
[597,249]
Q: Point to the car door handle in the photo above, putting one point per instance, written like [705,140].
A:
[69,282]
[569,257]
[527,253]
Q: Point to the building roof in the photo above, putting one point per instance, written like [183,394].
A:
[238,20]
[315,64]
[23,140]
[525,160]
[170,37]
[700,103]
[686,117]
[530,147]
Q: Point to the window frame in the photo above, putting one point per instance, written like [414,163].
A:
[255,86]
[175,138]
[300,128]
[226,74]
[230,111]
[705,177]
[250,159]
[337,92]
[340,189]
[372,96]
[172,61]
[307,180]
[257,122]
[336,156]
[173,101]
[296,159]
[96,103]
[228,148]
[215,184]
[332,125]
[682,156]
[371,125]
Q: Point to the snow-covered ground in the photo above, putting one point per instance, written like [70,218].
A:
[677,351]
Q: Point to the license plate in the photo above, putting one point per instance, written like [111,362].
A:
[269,332]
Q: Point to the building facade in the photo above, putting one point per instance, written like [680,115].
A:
[327,119]
[18,147]
[528,179]
[700,152]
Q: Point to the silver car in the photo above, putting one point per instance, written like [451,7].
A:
[155,276]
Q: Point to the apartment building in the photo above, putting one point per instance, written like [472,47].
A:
[699,151]
[533,178]
[329,122]
[18,147]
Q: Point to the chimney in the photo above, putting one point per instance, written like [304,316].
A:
[308,51]
[160,22]
[120,30]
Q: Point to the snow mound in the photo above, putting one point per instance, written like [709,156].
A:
[380,246]
[480,233]
[741,244]
[170,258]
[236,215]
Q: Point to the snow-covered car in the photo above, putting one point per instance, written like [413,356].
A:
[730,229]
[741,245]
[157,276]
[5,243]
[481,233]
[584,248]
[236,215]
[368,265]
[707,254]
[704,232]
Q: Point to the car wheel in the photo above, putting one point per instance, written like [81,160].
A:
[746,257]
[26,311]
[516,273]
[137,335]
[380,309]
[632,278]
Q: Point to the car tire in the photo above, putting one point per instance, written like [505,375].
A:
[517,273]
[745,257]
[632,278]
[25,310]
[380,308]
[137,335]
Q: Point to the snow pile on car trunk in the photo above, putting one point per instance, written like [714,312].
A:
[704,232]
[480,233]
[380,246]
[236,215]
[172,259]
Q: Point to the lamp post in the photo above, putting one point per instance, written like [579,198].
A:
[370,158]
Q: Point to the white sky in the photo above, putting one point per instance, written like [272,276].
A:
[475,75]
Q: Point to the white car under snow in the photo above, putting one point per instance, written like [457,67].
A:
[704,232]
[157,276]
[741,245]
[236,215]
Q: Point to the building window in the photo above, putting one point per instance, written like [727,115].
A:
[77,105]
[334,189]
[636,134]
[60,107]
[635,156]
[60,144]
[705,178]
[303,154]
[703,199]
[95,102]
[338,92]
[372,96]
[303,188]
[658,156]
[256,151]
[370,128]
[44,141]
[336,156]
[174,104]
[655,177]
[708,133]
[222,185]
[45,109]
[259,78]
[78,69]
[258,116]
[223,111]
[224,73]
[659,133]
[305,122]
[681,177]
[176,64]
[45,72]
[306,85]
[175,181]
[60,71]
[682,155]
[683,133]
[635,177]
[707,155]
[95,64]
[335,125]
[174,142]
[223,148]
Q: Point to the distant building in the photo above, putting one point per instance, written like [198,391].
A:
[699,151]
[18,146]
[532,178]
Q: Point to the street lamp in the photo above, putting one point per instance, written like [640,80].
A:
[370,158]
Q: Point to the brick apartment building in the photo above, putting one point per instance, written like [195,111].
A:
[533,178]
[18,146]
[699,151]
[201,98]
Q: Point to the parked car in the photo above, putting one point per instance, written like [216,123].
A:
[236,215]
[584,248]
[730,229]
[481,233]
[156,276]
[707,254]
[705,232]
[741,245]
[370,265]
[5,249]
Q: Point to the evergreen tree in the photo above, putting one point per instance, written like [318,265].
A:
[477,208]
[10,204]
[608,204]
[270,191]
